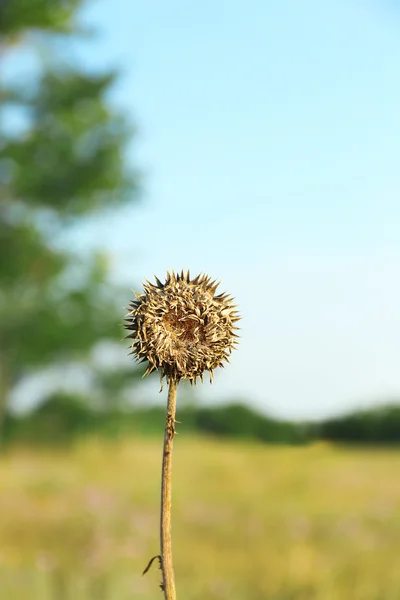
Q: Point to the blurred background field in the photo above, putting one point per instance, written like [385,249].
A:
[257,142]
[249,521]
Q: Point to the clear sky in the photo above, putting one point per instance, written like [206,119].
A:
[269,134]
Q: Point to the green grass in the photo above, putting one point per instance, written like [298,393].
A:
[250,522]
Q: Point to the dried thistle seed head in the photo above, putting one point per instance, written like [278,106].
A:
[181,327]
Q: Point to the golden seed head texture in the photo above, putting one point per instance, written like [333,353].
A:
[181,327]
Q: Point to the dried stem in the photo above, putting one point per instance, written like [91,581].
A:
[168,583]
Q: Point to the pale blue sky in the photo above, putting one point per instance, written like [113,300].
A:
[270,137]
[269,132]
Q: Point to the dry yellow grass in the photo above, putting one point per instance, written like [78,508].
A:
[250,522]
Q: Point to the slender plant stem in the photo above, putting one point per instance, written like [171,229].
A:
[168,583]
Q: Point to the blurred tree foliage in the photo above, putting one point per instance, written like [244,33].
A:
[66,163]
[62,418]
[378,425]
[18,17]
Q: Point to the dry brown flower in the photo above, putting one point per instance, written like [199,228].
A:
[181,327]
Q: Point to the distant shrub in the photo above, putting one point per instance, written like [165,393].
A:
[61,418]
[380,425]
[56,420]
[241,421]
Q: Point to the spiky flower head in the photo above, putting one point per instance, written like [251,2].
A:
[181,327]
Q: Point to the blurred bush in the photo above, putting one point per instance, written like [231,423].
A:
[62,418]
[240,421]
[380,425]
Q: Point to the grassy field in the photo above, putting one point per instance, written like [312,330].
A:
[250,522]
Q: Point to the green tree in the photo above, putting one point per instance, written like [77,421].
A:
[19,17]
[65,163]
